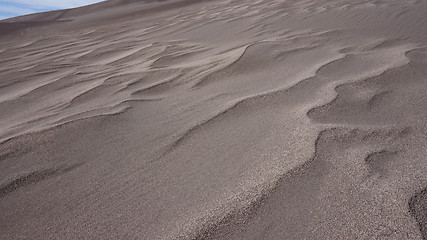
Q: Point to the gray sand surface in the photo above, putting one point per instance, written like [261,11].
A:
[219,119]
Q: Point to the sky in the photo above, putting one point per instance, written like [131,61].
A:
[12,8]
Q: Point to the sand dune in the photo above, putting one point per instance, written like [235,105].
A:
[269,119]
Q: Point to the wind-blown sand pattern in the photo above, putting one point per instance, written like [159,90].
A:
[269,119]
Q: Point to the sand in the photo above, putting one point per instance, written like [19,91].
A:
[185,119]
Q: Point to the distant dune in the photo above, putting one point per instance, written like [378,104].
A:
[186,119]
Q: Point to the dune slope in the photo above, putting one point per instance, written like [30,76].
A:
[269,119]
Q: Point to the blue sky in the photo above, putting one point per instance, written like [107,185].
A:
[12,8]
